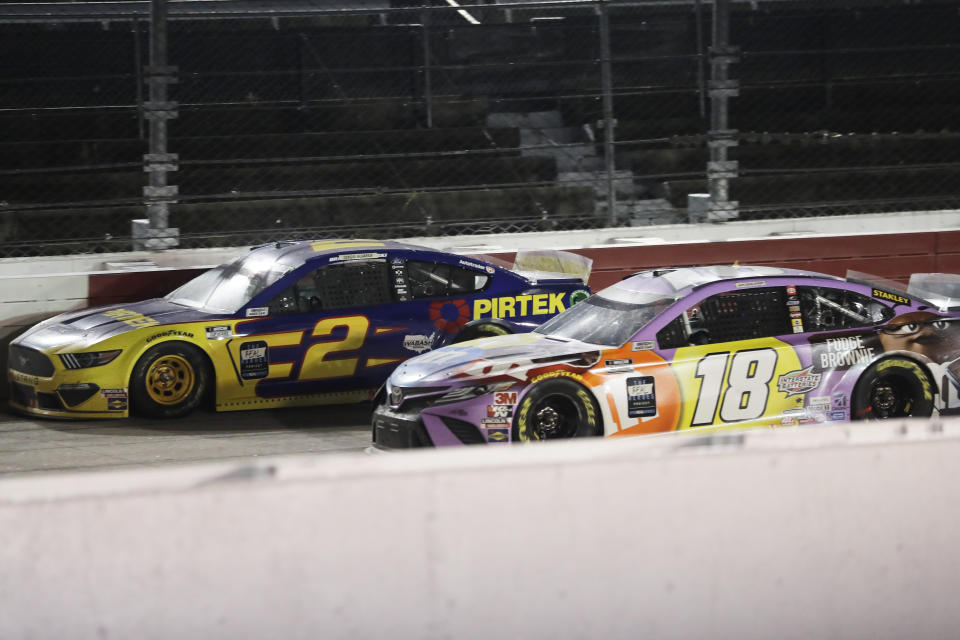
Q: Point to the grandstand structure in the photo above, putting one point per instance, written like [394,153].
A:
[230,122]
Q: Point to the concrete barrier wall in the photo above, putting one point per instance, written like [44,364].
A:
[836,531]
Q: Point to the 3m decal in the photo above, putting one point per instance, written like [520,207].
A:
[745,396]
[316,365]
[518,306]
[798,382]
[505,397]
[641,397]
[254,360]
[132,318]
[892,297]
[218,332]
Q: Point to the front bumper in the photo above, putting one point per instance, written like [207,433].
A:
[60,393]
[412,429]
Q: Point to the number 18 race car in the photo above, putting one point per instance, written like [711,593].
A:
[290,323]
[686,348]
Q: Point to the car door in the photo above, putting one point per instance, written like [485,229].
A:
[733,363]
[324,333]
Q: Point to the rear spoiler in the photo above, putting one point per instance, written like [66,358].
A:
[940,289]
[550,264]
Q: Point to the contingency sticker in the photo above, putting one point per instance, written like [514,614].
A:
[254,362]
[116,399]
[641,397]
[218,332]
[498,435]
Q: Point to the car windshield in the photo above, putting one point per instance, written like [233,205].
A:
[605,321]
[226,288]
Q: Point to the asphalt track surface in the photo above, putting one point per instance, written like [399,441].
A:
[31,445]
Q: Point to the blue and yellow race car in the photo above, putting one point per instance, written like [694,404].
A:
[287,324]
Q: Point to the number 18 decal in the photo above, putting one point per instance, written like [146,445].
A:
[746,392]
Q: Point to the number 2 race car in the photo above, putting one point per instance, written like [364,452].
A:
[290,323]
[685,348]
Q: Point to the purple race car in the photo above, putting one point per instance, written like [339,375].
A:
[683,348]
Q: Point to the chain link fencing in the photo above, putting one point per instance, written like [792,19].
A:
[379,118]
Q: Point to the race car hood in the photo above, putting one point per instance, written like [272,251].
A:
[490,359]
[82,328]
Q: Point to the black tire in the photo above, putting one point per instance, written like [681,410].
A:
[169,381]
[555,409]
[485,330]
[894,387]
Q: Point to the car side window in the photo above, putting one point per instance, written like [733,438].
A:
[728,316]
[356,283]
[437,279]
[826,309]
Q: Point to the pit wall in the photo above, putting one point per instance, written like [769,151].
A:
[833,531]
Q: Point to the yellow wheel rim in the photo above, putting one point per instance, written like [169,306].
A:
[170,380]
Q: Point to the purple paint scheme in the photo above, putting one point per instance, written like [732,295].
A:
[752,345]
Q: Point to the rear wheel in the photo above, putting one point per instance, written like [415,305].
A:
[556,409]
[169,381]
[485,330]
[892,388]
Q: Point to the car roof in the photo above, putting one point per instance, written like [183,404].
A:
[302,251]
[682,281]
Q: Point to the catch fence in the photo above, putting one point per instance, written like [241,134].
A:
[195,124]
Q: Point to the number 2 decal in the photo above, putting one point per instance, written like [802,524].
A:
[745,397]
[315,365]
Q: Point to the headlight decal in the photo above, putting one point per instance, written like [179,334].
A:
[88,359]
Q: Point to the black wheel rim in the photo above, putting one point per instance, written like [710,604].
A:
[555,416]
[891,397]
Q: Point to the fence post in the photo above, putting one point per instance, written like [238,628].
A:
[606,80]
[721,137]
[154,232]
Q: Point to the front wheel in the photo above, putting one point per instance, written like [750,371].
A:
[892,388]
[485,330]
[555,409]
[169,381]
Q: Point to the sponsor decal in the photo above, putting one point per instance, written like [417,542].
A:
[518,306]
[498,435]
[795,314]
[475,265]
[494,422]
[753,283]
[838,401]
[257,312]
[173,333]
[254,360]
[113,393]
[358,256]
[819,404]
[791,290]
[116,404]
[644,345]
[24,378]
[218,332]
[449,316]
[801,381]
[641,397]
[132,318]
[845,352]
[834,416]
[418,343]
[556,374]
[505,397]
[499,411]
[578,296]
[788,421]
[619,362]
[796,322]
[892,297]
